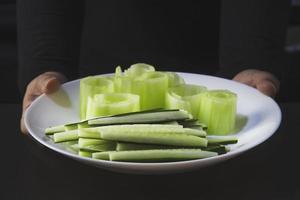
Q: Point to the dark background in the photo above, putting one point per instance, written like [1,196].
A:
[8,55]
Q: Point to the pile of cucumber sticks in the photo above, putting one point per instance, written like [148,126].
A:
[143,136]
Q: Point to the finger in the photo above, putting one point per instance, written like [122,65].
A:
[267,87]
[244,79]
[23,127]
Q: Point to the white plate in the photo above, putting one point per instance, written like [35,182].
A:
[263,118]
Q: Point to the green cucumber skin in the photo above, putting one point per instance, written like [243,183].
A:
[101,155]
[54,129]
[142,118]
[212,140]
[160,155]
[65,136]
[174,139]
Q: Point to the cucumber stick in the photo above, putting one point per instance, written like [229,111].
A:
[142,118]
[213,139]
[65,136]
[54,129]
[161,155]
[96,144]
[125,146]
[152,134]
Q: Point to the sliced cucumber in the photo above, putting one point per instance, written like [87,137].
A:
[101,155]
[70,127]
[83,153]
[54,129]
[142,117]
[125,146]
[158,155]
[220,149]
[96,145]
[152,134]
[92,133]
[65,136]
[213,139]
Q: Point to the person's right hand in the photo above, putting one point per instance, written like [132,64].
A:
[47,83]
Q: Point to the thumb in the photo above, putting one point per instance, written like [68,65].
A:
[50,85]
[267,87]
[51,81]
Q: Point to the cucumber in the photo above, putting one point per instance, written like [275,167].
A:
[142,118]
[96,145]
[152,134]
[101,155]
[70,127]
[192,123]
[125,146]
[54,129]
[158,155]
[83,153]
[92,133]
[213,139]
[220,149]
[65,136]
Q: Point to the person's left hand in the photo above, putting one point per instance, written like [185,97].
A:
[264,81]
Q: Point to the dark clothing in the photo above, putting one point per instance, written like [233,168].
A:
[92,37]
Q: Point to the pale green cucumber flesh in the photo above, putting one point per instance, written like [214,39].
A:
[160,155]
[151,134]
[54,129]
[142,117]
[65,136]
[222,139]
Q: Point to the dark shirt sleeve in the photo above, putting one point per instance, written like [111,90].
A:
[49,33]
[252,35]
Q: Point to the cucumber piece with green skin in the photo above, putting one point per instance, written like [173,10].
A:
[220,149]
[96,145]
[83,153]
[92,133]
[54,129]
[70,127]
[133,118]
[213,139]
[101,155]
[142,118]
[158,155]
[65,136]
[192,123]
[125,146]
[151,134]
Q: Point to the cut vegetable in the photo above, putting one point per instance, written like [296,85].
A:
[218,111]
[83,153]
[152,88]
[152,134]
[160,155]
[92,133]
[212,139]
[186,97]
[174,79]
[125,146]
[90,86]
[70,127]
[112,104]
[138,69]
[96,144]
[101,155]
[54,129]
[142,117]
[65,136]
